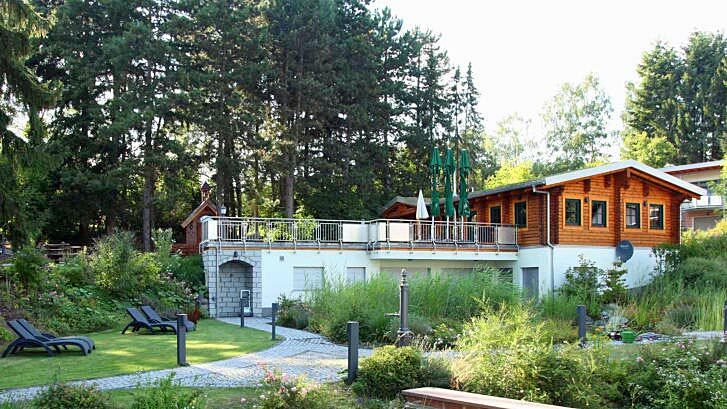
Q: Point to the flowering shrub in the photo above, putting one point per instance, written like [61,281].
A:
[682,375]
[287,392]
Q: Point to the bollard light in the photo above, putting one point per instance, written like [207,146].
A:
[274,313]
[352,332]
[181,340]
[581,314]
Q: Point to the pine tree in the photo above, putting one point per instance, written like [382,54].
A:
[20,90]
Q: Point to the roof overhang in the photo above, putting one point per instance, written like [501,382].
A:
[551,181]
[693,167]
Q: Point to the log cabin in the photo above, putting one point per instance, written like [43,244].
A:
[531,231]
[585,213]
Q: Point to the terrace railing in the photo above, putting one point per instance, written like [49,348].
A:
[706,201]
[372,233]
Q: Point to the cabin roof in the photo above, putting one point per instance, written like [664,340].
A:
[575,175]
[207,204]
[692,167]
[561,178]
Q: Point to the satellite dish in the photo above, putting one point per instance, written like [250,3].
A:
[624,251]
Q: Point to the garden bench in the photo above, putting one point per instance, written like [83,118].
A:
[438,398]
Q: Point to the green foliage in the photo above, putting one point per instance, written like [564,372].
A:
[680,95]
[189,269]
[581,283]
[614,284]
[29,266]
[503,328]
[76,271]
[5,335]
[74,310]
[120,268]
[576,120]
[508,353]
[510,173]
[654,151]
[165,395]
[333,305]
[432,300]
[64,396]
[87,293]
[388,371]
[21,93]
[682,375]
[292,313]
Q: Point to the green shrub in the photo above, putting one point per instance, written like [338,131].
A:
[614,285]
[121,269]
[75,271]
[388,371]
[292,313]
[435,372]
[581,283]
[64,396]
[680,375]
[511,353]
[74,310]
[165,395]
[694,270]
[505,328]
[29,267]
[558,306]
[189,269]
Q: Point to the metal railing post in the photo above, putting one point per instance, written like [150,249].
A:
[181,340]
[352,332]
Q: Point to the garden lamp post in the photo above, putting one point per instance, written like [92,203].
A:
[403,335]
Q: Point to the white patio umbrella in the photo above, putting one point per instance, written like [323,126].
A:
[422,213]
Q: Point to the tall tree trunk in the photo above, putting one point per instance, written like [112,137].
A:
[148,195]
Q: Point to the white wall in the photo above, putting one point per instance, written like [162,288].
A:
[639,267]
[277,273]
[277,268]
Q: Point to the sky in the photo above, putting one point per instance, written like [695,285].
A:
[522,51]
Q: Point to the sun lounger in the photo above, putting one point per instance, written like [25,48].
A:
[138,321]
[51,346]
[155,318]
[44,336]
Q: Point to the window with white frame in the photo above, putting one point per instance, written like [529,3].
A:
[307,278]
[355,275]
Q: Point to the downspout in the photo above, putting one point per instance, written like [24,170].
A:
[547,235]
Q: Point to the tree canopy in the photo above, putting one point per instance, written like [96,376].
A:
[682,96]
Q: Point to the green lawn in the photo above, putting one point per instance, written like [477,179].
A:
[118,354]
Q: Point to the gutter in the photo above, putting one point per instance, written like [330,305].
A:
[548,242]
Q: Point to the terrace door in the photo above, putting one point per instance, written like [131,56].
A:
[531,282]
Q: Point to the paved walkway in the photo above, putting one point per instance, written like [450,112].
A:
[300,353]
